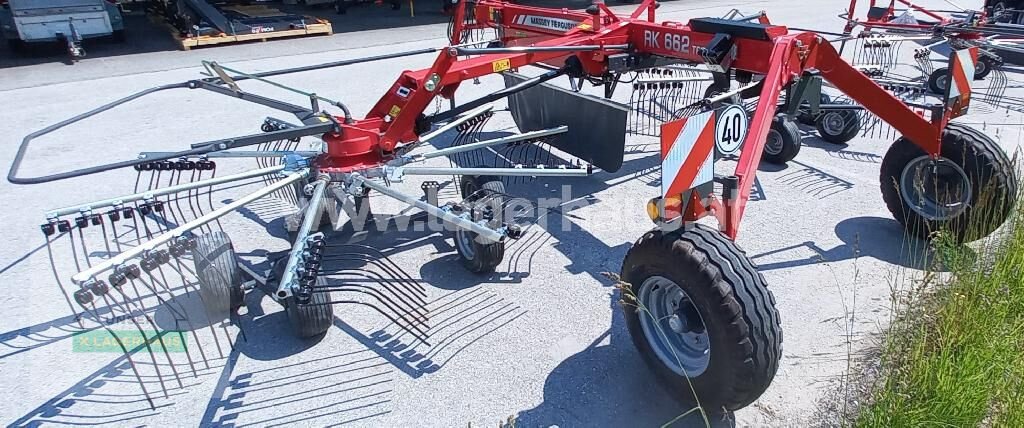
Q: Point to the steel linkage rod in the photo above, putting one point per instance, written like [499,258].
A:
[88,274]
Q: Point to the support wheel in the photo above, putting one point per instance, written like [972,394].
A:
[783,142]
[485,195]
[220,280]
[340,8]
[702,316]
[938,81]
[838,126]
[984,66]
[313,318]
[969,191]
[309,319]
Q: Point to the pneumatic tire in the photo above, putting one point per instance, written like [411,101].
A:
[968,192]
[838,126]
[722,289]
[310,319]
[220,280]
[484,194]
[938,81]
[313,318]
[783,141]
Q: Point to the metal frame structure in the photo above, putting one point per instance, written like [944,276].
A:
[353,156]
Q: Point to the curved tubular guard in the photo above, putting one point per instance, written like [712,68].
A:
[313,119]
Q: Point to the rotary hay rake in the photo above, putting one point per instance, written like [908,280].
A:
[696,307]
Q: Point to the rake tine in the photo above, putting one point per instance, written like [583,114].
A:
[156,331]
[407,281]
[184,314]
[56,277]
[376,294]
[379,255]
[421,336]
[414,302]
[127,355]
[146,342]
[179,267]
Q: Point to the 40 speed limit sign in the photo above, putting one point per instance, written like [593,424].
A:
[730,129]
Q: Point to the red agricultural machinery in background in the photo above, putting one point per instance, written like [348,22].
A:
[697,308]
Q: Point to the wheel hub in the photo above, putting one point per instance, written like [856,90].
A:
[937,189]
[673,327]
[833,123]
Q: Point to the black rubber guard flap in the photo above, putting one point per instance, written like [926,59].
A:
[597,126]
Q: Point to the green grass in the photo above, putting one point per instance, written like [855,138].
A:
[954,356]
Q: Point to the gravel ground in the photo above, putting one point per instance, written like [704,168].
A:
[542,338]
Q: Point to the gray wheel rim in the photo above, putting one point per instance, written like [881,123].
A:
[773,144]
[935,189]
[980,67]
[942,82]
[464,240]
[673,328]
[833,123]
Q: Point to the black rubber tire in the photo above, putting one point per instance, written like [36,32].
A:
[984,67]
[485,191]
[307,320]
[340,7]
[937,81]
[220,280]
[119,36]
[789,132]
[851,124]
[312,319]
[987,167]
[734,302]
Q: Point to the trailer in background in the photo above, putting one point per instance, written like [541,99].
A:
[66,21]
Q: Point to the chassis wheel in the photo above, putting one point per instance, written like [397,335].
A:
[313,318]
[783,141]
[983,67]
[307,319]
[938,81]
[969,191]
[707,317]
[220,280]
[484,195]
[838,126]
[804,115]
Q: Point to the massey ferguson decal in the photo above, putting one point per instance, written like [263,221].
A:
[554,24]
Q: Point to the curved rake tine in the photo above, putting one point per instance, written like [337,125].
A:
[377,294]
[184,315]
[381,256]
[415,307]
[380,297]
[422,337]
[156,333]
[179,267]
[127,355]
[412,284]
[145,342]
[56,277]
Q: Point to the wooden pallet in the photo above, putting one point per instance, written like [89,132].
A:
[316,27]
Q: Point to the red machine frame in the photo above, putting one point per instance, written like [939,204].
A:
[781,57]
